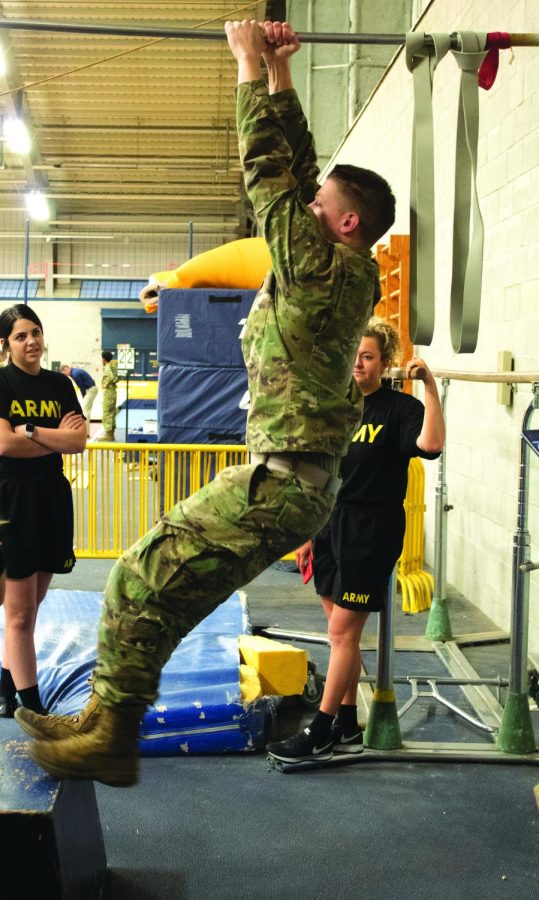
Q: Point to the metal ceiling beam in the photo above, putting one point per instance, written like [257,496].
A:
[520,39]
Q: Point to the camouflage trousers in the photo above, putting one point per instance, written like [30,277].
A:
[199,553]
[108,414]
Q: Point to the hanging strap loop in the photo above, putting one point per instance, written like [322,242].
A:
[467,271]
[496,41]
[421,60]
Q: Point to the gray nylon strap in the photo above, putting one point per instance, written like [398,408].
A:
[421,61]
[467,269]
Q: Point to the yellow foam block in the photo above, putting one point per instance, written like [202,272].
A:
[282,669]
[250,688]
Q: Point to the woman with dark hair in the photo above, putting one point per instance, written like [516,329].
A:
[40,418]
[355,553]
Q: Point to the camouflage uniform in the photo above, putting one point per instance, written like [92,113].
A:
[108,387]
[299,346]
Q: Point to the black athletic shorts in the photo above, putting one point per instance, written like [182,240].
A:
[355,554]
[39,533]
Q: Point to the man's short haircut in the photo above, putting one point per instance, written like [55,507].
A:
[106,355]
[372,199]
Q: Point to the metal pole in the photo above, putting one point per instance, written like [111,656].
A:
[26,257]
[517,40]
[383,731]
[386,633]
[438,624]
[516,731]
[518,678]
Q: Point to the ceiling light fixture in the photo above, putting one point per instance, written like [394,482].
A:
[16,135]
[37,206]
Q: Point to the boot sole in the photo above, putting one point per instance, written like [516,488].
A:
[114,779]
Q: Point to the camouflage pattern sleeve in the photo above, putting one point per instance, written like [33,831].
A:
[299,252]
[304,328]
[304,166]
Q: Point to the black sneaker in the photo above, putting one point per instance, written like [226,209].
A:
[347,741]
[7,707]
[301,748]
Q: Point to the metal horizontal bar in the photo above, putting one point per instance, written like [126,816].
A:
[200,34]
[517,39]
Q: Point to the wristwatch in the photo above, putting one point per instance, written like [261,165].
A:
[29,429]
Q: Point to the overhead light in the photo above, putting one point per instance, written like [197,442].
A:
[16,135]
[37,206]
[3,63]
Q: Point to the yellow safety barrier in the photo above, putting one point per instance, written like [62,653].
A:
[121,490]
[416,585]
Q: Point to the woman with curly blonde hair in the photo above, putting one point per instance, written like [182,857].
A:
[354,555]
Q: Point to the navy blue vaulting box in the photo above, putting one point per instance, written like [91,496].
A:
[201,327]
[200,405]
[202,376]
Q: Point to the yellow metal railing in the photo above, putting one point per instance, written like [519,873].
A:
[416,585]
[121,490]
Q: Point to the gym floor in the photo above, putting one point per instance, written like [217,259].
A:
[228,827]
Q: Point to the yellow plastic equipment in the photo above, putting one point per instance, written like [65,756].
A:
[239,264]
[281,668]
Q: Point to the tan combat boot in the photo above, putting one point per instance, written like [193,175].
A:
[57,728]
[107,751]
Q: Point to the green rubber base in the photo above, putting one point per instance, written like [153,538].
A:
[383,730]
[516,731]
[438,625]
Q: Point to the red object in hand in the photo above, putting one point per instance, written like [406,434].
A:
[308,571]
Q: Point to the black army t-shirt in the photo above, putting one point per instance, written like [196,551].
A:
[376,465]
[42,400]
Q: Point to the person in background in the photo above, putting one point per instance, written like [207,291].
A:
[40,418]
[354,555]
[299,344]
[86,386]
[109,380]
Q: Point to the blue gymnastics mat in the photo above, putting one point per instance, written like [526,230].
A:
[199,707]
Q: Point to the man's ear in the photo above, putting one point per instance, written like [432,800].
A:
[349,221]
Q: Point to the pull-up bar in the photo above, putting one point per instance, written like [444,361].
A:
[517,40]
[489,377]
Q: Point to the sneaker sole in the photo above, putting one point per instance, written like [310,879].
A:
[322,757]
[120,778]
[348,748]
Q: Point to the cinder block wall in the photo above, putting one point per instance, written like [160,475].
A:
[483,436]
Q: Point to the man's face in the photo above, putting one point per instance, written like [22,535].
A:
[328,207]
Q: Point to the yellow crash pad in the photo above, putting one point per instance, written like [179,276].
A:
[281,668]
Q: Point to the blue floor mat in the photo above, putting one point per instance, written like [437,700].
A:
[199,707]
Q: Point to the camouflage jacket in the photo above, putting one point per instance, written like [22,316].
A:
[110,375]
[306,322]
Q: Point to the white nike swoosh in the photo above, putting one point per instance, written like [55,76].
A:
[318,750]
